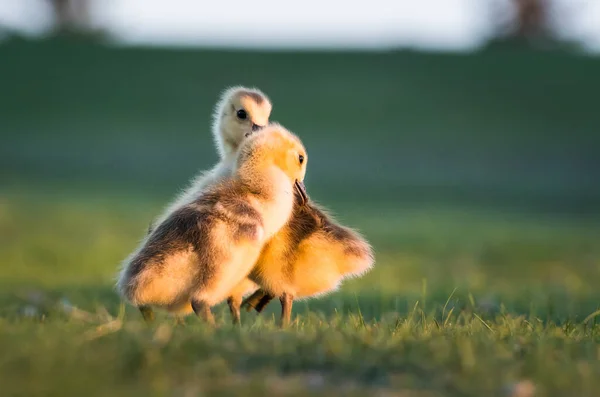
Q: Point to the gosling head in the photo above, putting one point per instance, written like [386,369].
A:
[274,148]
[239,112]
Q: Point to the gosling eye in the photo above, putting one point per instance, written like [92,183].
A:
[241,114]
[301,158]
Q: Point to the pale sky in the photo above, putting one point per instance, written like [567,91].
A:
[453,25]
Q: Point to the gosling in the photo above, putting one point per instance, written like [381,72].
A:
[310,256]
[239,112]
[205,248]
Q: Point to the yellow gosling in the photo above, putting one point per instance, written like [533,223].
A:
[308,257]
[203,250]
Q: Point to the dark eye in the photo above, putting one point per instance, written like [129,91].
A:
[242,114]
[301,159]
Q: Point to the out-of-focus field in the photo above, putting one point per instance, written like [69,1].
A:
[475,178]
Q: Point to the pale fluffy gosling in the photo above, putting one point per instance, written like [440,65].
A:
[309,256]
[239,112]
[206,248]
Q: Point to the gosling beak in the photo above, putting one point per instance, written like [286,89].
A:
[255,127]
[301,192]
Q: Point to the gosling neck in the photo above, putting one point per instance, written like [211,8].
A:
[227,147]
[225,144]
[271,193]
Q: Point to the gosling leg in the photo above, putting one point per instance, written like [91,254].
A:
[255,301]
[147,313]
[203,311]
[264,301]
[286,309]
[234,304]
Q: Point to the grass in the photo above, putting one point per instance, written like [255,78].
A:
[461,302]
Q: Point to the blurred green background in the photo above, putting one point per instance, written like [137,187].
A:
[487,162]
[504,128]
[474,173]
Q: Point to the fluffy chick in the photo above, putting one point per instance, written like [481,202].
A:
[308,257]
[239,112]
[205,248]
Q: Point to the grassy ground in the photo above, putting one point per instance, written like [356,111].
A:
[460,303]
[475,178]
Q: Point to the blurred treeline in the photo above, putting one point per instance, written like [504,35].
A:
[529,22]
[506,126]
